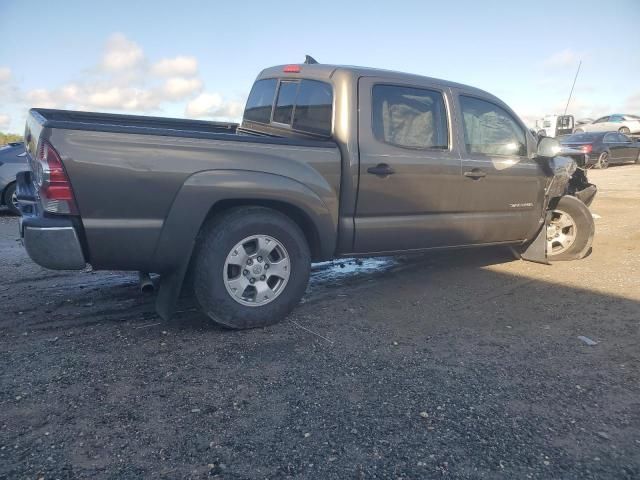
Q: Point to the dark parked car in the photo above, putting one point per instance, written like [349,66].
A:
[602,149]
[12,160]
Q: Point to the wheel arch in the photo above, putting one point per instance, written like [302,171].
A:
[209,193]
[295,213]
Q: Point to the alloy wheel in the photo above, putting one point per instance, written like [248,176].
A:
[561,232]
[256,270]
[603,160]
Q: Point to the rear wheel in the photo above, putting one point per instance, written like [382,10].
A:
[603,160]
[251,267]
[570,230]
[11,200]
[624,130]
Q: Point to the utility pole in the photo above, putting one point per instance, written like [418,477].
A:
[574,84]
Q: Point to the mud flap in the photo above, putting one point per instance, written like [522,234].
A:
[536,251]
[170,288]
[587,195]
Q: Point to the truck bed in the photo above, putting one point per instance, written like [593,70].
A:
[92,121]
[129,173]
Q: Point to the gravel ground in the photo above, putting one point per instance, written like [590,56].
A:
[464,365]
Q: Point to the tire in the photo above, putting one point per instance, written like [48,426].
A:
[603,161]
[638,157]
[221,264]
[624,130]
[578,224]
[9,199]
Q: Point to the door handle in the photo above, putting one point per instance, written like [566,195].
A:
[476,174]
[382,170]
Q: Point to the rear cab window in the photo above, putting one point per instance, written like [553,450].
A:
[300,105]
[260,101]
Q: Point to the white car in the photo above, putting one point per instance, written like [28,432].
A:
[626,124]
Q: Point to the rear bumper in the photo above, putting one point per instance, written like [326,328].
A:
[56,248]
[51,242]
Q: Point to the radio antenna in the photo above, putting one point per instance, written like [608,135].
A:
[574,84]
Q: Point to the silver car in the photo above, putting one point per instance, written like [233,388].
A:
[626,124]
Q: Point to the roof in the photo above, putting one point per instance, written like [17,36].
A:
[321,70]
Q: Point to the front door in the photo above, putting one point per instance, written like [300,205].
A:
[503,189]
[409,177]
[625,149]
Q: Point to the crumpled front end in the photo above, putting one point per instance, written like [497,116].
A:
[566,179]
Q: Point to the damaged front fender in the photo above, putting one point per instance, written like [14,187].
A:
[566,179]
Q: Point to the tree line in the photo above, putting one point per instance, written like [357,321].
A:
[9,137]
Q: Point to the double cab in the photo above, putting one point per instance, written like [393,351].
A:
[328,161]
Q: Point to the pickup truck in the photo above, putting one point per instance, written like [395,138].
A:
[328,161]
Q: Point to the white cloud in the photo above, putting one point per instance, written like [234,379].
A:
[212,105]
[177,88]
[176,67]
[124,80]
[121,53]
[563,59]
[5,74]
[41,98]
[5,121]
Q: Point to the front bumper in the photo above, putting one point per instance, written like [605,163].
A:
[51,242]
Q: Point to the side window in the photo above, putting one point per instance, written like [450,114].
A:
[490,130]
[409,117]
[615,118]
[610,138]
[622,138]
[260,101]
[284,104]
[314,107]
[602,120]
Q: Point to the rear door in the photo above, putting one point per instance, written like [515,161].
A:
[409,173]
[503,189]
[615,147]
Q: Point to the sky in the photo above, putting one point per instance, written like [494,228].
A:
[198,59]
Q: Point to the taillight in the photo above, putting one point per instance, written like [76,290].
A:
[52,181]
[586,148]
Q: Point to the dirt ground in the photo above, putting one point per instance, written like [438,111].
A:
[464,365]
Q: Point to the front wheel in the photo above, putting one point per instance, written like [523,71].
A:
[570,230]
[251,267]
[624,130]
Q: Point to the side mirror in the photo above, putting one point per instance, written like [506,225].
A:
[548,147]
